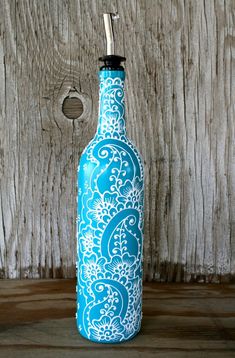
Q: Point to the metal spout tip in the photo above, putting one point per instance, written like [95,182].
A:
[115,16]
[108,24]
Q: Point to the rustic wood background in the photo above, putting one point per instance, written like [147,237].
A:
[180,95]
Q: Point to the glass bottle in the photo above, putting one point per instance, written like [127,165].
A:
[110,221]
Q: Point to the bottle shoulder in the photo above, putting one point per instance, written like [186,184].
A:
[121,141]
[103,151]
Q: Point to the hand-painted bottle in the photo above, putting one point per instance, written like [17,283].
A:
[110,221]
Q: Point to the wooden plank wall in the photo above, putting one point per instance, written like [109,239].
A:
[180,96]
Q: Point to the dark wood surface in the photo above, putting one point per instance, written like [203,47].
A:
[37,319]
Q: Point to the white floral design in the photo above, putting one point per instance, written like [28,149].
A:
[87,241]
[103,206]
[132,191]
[92,269]
[106,329]
[121,266]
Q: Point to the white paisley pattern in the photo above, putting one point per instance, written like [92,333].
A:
[110,224]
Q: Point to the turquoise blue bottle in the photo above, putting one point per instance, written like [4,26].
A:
[110,221]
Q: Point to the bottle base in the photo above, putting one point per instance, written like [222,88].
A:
[108,342]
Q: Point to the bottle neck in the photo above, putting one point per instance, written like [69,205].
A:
[111,103]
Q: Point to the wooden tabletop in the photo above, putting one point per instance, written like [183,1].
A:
[37,319]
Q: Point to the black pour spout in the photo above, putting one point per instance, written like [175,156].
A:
[111,61]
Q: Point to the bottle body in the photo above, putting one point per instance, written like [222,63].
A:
[110,225]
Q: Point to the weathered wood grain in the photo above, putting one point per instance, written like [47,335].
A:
[180,112]
[37,319]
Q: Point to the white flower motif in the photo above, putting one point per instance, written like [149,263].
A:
[106,329]
[87,241]
[92,268]
[112,122]
[133,193]
[102,206]
[121,266]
